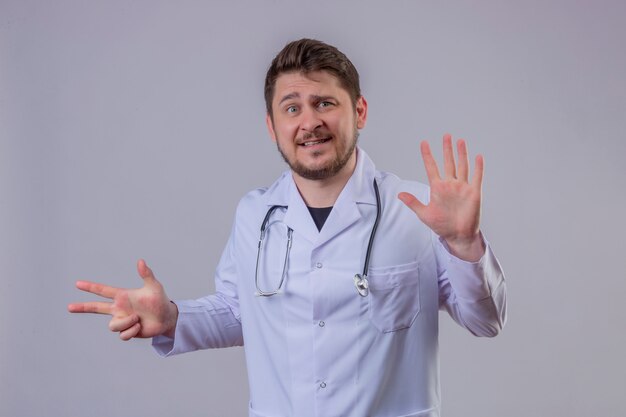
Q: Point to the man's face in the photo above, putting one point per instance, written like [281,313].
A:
[314,124]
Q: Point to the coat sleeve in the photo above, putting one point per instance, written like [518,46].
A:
[473,293]
[213,321]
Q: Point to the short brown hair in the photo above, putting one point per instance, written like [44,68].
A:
[309,55]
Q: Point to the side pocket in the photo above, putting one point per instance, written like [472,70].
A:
[394,299]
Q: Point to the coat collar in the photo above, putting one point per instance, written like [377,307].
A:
[358,190]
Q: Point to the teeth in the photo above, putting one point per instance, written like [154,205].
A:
[314,142]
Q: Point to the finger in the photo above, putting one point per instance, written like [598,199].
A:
[145,272]
[412,202]
[449,167]
[119,324]
[96,307]
[461,149]
[98,289]
[130,332]
[429,162]
[479,168]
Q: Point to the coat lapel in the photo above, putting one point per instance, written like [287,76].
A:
[358,190]
[284,192]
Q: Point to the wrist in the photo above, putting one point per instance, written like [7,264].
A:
[468,249]
[172,319]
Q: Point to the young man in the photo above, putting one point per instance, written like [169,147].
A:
[328,276]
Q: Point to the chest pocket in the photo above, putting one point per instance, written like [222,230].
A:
[394,298]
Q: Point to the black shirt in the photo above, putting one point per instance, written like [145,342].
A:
[319,214]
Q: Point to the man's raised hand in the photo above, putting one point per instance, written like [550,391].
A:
[454,208]
[142,312]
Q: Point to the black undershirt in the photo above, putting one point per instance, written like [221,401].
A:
[319,214]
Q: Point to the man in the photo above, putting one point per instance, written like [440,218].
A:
[338,305]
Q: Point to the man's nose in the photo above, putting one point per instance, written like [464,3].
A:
[310,119]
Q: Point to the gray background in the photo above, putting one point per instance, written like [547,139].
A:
[131,128]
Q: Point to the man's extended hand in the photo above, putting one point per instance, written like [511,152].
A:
[454,208]
[142,312]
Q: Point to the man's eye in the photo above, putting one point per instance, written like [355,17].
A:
[325,104]
[291,109]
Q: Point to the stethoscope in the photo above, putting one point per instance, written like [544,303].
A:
[360,280]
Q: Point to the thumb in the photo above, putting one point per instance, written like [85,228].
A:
[413,203]
[145,272]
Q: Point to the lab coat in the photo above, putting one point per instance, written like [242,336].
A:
[318,348]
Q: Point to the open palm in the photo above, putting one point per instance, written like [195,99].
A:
[453,211]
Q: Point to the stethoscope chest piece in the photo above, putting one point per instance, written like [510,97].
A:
[361,284]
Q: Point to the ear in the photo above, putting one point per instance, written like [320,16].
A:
[361,112]
[270,126]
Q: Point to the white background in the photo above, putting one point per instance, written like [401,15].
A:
[130,129]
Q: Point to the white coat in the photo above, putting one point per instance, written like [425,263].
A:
[318,348]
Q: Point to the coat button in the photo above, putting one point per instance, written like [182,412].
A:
[323,385]
[321,323]
[318,265]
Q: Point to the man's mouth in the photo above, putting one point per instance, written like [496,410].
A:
[315,142]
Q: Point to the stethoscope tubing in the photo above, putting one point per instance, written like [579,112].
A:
[366,265]
[360,280]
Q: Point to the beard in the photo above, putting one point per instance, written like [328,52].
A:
[328,170]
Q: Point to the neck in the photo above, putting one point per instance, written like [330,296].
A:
[324,193]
